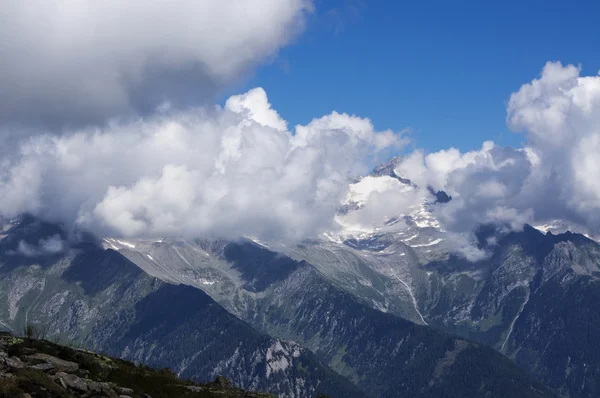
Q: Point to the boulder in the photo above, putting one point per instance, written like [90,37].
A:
[59,364]
[72,381]
[104,388]
[13,362]
[42,366]
[124,391]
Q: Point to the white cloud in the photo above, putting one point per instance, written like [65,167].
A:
[374,200]
[181,167]
[256,103]
[46,246]
[553,177]
[560,112]
[434,169]
[80,61]
[224,172]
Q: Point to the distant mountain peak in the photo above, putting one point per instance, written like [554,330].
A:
[387,168]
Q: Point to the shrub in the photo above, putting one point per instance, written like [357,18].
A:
[35,332]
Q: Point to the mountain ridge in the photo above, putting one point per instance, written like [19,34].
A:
[102,300]
[109,302]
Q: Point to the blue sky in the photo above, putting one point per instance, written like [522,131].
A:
[443,68]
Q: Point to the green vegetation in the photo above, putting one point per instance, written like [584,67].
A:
[387,356]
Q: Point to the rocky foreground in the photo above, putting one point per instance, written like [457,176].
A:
[39,368]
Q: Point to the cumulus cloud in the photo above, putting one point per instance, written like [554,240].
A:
[553,177]
[140,150]
[207,171]
[560,112]
[79,62]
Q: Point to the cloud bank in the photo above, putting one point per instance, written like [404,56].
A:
[221,172]
[70,62]
[105,124]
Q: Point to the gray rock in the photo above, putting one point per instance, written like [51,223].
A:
[94,386]
[59,364]
[125,390]
[62,382]
[14,362]
[103,388]
[43,366]
[195,388]
[72,381]
[108,389]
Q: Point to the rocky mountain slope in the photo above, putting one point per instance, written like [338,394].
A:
[38,368]
[101,298]
[548,321]
[98,298]
[533,298]
[292,299]
[371,348]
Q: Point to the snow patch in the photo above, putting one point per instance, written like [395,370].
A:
[411,238]
[332,238]
[277,358]
[116,244]
[125,243]
[433,242]
[258,242]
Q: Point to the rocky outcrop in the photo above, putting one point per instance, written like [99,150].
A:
[38,368]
